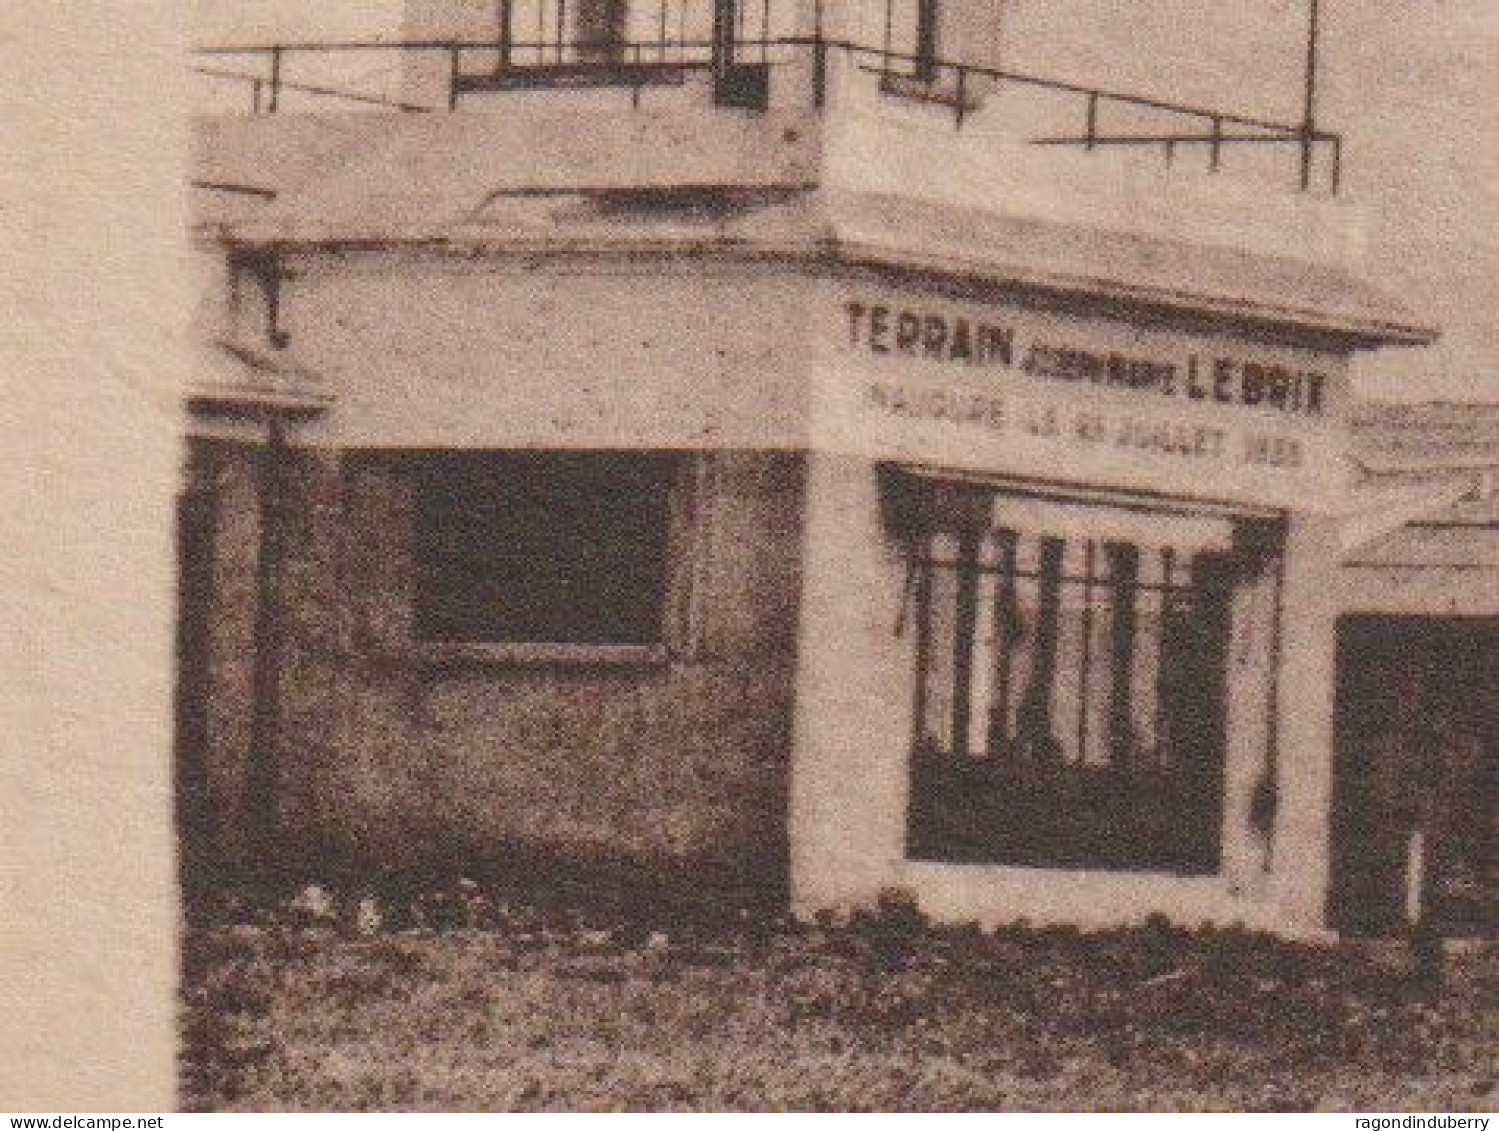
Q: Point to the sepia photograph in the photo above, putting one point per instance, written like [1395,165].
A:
[835,556]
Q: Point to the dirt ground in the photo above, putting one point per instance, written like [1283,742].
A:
[529,1010]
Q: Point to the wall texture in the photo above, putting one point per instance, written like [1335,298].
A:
[393,760]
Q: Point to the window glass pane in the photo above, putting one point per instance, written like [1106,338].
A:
[542,547]
[1144,709]
[983,646]
[599,28]
[942,583]
[1006,632]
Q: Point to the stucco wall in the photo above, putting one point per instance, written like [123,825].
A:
[611,354]
[1421,590]
[229,477]
[390,760]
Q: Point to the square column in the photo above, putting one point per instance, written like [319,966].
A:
[1251,692]
[852,728]
[1301,842]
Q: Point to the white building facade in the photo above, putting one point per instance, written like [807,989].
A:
[776,446]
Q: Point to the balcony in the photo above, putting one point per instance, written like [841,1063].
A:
[671,53]
[783,141]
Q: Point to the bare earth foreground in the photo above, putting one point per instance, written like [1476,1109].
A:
[547,1011]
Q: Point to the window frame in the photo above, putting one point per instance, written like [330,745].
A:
[929,512]
[675,636]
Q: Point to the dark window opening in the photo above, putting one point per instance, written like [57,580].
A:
[542,547]
[1070,701]
[601,29]
[579,44]
[542,32]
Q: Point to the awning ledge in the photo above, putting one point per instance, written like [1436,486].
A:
[1377,512]
[239,380]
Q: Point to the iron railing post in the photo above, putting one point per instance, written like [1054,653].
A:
[628,64]
[1309,105]
[507,34]
[819,58]
[275,100]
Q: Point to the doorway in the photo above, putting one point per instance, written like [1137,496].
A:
[1417,721]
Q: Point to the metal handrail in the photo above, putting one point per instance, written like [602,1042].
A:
[633,64]
[259,85]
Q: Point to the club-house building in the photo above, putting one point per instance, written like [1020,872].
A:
[772,446]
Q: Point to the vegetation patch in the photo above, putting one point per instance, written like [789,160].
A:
[515,1007]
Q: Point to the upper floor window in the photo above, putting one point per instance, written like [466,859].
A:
[601,27]
[543,547]
[560,31]
[549,32]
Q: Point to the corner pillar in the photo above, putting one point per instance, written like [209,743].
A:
[851,739]
[1301,843]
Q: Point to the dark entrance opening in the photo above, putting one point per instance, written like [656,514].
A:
[1417,749]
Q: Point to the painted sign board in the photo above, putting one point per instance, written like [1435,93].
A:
[1101,400]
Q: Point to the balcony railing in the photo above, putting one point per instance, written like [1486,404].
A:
[273,78]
